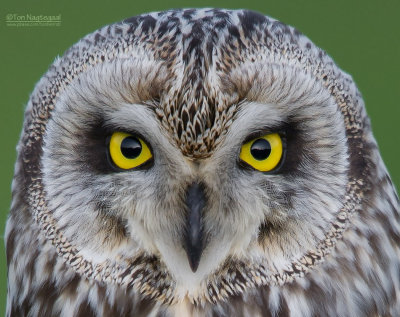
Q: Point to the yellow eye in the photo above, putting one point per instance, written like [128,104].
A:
[128,151]
[263,153]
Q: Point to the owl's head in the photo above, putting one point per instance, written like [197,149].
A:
[179,150]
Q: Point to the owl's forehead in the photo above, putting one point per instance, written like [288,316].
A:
[203,64]
[198,49]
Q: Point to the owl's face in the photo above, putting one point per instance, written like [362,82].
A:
[145,150]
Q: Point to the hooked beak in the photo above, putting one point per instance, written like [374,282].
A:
[193,240]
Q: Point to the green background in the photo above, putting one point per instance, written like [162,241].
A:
[363,37]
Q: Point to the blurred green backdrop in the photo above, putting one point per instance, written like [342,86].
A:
[362,36]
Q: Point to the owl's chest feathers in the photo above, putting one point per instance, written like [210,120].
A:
[339,287]
[359,278]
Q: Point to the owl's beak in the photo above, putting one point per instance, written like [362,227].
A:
[193,241]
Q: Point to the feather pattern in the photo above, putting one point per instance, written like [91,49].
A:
[319,238]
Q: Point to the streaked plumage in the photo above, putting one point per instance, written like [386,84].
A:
[318,237]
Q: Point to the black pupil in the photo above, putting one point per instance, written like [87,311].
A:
[131,147]
[260,149]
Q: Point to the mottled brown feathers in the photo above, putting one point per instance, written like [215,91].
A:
[320,237]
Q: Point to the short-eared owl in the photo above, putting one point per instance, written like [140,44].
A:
[200,163]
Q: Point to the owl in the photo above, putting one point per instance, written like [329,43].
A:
[200,162]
